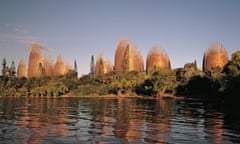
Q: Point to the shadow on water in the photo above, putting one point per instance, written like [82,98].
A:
[99,120]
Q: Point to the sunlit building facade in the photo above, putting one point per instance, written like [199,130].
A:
[102,65]
[157,58]
[128,57]
[215,56]
[22,69]
[41,65]
[35,65]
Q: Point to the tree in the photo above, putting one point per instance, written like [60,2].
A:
[4,66]
[232,77]
[127,82]
[75,67]
[12,70]
[58,88]
[232,68]
[117,86]
[32,82]
[92,66]
[162,81]
[70,80]
[51,89]
[23,91]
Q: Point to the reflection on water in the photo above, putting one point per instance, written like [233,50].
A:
[96,120]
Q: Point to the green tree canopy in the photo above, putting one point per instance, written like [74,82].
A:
[161,81]
[232,68]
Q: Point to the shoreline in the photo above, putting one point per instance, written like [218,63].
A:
[100,96]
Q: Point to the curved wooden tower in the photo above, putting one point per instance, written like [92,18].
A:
[102,65]
[157,58]
[22,69]
[59,68]
[48,66]
[215,56]
[127,57]
[35,65]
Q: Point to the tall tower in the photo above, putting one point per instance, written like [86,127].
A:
[157,58]
[127,57]
[35,62]
[102,65]
[48,66]
[59,68]
[22,69]
[215,56]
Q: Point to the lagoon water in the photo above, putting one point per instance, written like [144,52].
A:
[106,120]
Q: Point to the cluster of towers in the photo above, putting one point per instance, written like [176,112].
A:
[41,65]
[128,58]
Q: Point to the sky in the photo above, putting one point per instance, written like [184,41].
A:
[77,29]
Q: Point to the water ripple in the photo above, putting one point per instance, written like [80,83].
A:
[107,121]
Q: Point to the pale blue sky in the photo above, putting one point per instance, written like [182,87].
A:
[76,29]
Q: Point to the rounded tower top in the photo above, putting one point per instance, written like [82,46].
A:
[127,57]
[157,57]
[215,56]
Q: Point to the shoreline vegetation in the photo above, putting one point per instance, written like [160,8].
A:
[186,82]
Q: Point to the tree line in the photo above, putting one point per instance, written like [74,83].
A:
[188,81]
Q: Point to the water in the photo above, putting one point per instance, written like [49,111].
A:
[99,120]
